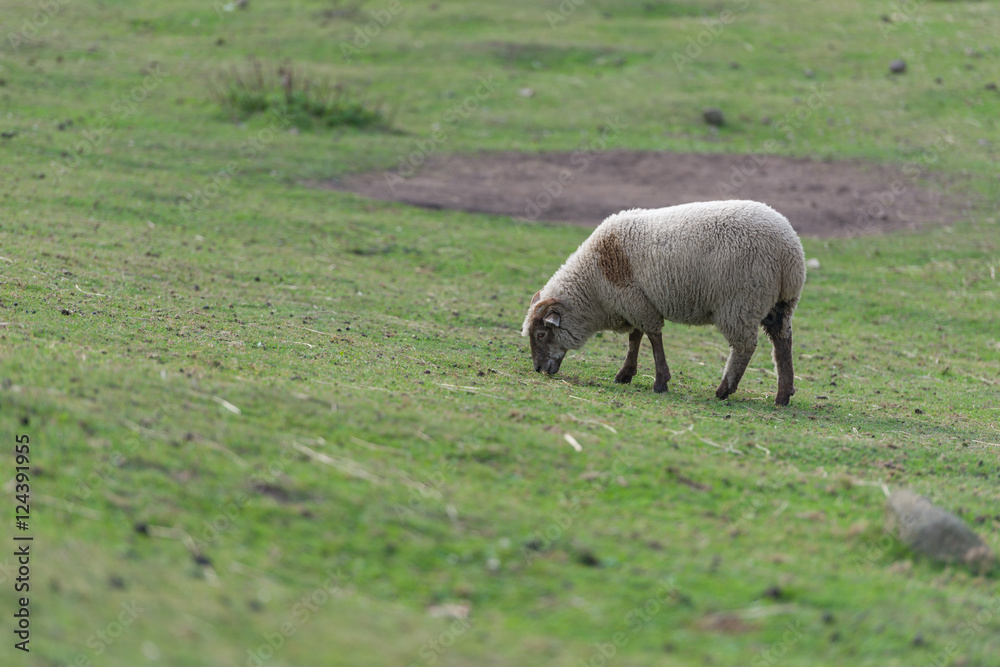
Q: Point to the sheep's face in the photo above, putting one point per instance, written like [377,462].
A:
[546,351]
[547,339]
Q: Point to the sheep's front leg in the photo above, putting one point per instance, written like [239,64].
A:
[631,364]
[739,356]
[660,360]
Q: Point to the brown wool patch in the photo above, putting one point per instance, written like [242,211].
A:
[613,261]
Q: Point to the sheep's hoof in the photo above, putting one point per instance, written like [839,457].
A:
[660,387]
[624,377]
[783,396]
[723,390]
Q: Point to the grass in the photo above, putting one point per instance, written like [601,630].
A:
[291,94]
[296,427]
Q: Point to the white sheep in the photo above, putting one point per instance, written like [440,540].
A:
[735,264]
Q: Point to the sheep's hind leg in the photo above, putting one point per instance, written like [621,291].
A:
[740,353]
[660,360]
[783,364]
[779,330]
[631,364]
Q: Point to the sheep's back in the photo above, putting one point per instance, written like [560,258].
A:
[698,263]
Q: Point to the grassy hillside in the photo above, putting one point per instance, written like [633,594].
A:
[274,424]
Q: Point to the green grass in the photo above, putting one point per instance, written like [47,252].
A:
[291,94]
[267,412]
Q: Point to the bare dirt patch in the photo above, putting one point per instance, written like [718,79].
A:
[820,198]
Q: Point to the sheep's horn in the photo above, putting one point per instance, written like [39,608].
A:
[542,305]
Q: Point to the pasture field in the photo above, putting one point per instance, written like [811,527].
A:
[275,424]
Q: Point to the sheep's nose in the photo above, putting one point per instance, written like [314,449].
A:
[538,368]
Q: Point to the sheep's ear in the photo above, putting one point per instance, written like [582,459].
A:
[552,318]
[534,299]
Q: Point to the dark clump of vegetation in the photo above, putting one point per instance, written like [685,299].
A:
[306,100]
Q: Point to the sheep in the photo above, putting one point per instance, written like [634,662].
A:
[735,264]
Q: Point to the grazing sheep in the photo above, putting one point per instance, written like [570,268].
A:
[735,264]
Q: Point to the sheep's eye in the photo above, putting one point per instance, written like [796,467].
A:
[541,334]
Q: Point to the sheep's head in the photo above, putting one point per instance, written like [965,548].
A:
[549,342]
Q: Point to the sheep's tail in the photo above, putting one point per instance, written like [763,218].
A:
[778,326]
[793,278]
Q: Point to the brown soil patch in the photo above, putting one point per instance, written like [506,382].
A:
[820,198]
[724,623]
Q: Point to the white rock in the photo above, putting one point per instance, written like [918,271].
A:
[934,532]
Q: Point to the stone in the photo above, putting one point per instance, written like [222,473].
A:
[934,532]
[713,116]
[897,66]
